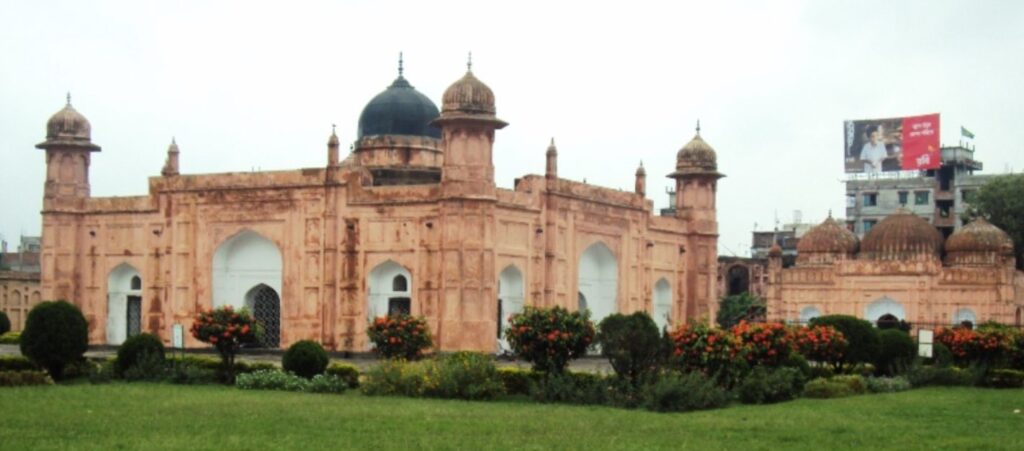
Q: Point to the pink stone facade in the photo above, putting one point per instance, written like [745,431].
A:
[334,225]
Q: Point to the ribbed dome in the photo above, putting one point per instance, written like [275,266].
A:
[979,236]
[468,95]
[696,155]
[828,237]
[68,124]
[399,110]
[901,236]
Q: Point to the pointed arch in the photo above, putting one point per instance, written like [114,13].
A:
[265,304]
[124,303]
[965,315]
[884,306]
[598,280]
[662,298]
[808,313]
[385,295]
[241,262]
[511,294]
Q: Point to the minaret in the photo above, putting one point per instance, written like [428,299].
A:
[551,168]
[467,281]
[332,148]
[68,149]
[640,186]
[696,177]
[171,165]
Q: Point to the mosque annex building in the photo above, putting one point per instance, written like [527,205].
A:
[409,221]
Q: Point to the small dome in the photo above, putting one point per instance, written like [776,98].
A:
[979,236]
[828,237]
[68,125]
[775,250]
[468,95]
[901,235]
[399,110]
[696,156]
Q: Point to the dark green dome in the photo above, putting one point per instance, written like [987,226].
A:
[399,110]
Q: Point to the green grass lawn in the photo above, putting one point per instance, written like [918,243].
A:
[156,416]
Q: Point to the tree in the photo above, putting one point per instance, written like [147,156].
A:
[55,335]
[227,330]
[1001,202]
[632,345]
[550,338]
[739,307]
[861,337]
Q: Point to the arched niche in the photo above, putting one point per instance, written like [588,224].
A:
[662,298]
[965,315]
[124,303]
[385,293]
[598,281]
[737,280]
[241,263]
[882,307]
[510,299]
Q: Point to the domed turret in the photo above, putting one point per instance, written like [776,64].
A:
[902,236]
[978,243]
[826,242]
[696,156]
[69,128]
[399,110]
[468,95]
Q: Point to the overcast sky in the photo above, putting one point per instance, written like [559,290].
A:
[244,85]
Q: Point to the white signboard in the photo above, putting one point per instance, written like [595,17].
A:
[924,343]
[178,336]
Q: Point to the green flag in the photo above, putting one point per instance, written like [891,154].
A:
[966,133]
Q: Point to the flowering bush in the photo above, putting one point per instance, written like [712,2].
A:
[766,344]
[975,346]
[550,338]
[400,336]
[820,343]
[227,330]
[714,352]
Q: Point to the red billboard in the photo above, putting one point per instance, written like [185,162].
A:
[894,144]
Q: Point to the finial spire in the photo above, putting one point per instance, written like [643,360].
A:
[69,98]
[174,141]
[334,128]
[400,68]
[829,212]
[469,62]
[641,164]
[698,126]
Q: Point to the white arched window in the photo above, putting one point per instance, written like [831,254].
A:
[662,298]
[598,281]
[965,314]
[241,263]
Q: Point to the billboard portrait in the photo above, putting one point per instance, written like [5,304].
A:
[893,144]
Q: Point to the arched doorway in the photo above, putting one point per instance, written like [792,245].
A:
[265,305]
[809,313]
[242,262]
[662,304]
[884,306]
[510,300]
[598,281]
[389,287]
[737,280]
[124,304]
[965,317]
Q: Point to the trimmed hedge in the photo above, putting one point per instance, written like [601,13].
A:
[1005,379]
[10,338]
[348,373]
[136,349]
[24,378]
[55,335]
[764,386]
[305,358]
[861,337]
[5,323]
[896,352]
[17,363]
[675,392]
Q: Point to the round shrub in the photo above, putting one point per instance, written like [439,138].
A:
[824,344]
[861,337]
[716,353]
[896,352]
[55,335]
[676,392]
[550,338]
[400,336]
[631,343]
[941,355]
[5,323]
[136,349]
[305,358]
